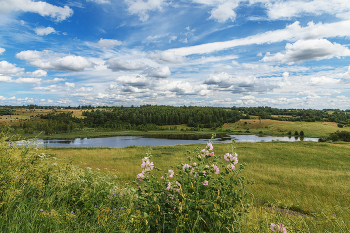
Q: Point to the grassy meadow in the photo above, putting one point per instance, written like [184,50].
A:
[299,183]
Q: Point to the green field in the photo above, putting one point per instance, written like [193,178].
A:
[303,185]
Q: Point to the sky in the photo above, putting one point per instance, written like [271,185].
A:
[223,53]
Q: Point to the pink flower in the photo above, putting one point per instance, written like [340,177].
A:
[205,182]
[171,173]
[169,186]
[229,157]
[212,154]
[216,168]
[209,146]
[162,177]
[140,176]
[278,227]
[194,164]
[231,167]
[207,166]
[204,152]
[204,173]
[186,166]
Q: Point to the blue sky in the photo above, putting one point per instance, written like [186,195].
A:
[284,54]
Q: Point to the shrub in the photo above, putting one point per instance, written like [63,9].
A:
[296,133]
[206,194]
[301,133]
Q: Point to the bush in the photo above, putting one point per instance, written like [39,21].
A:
[340,135]
[203,195]
[296,133]
[301,133]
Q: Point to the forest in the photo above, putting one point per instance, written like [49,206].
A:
[155,117]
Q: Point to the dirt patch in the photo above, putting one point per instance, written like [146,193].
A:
[226,125]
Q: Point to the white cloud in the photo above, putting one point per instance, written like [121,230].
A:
[7,68]
[141,7]
[37,73]
[324,80]
[133,80]
[42,8]
[5,78]
[315,49]
[44,31]
[69,84]
[186,88]
[2,50]
[166,57]
[47,60]
[291,32]
[163,72]
[288,9]
[120,65]
[28,80]
[224,12]
[108,43]
[55,80]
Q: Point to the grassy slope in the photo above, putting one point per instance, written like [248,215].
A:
[273,127]
[300,173]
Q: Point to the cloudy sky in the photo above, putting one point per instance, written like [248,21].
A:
[278,53]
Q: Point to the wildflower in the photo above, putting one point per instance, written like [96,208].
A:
[178,185]
[3,181]
[121,208]
[113,194]
[212,154]
[95,206]
[169,186]
[185,166]
[216,168]
[204,173]
[228,157]
[162,177]
[194,164]
[278,227]
[41,210]
[231,167]
[140,176]
[204,152]
[209,146]
[72,212]
[111,211]
[115,209]
[205,182]
[171,173]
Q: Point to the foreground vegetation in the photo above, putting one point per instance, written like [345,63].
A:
[302,185]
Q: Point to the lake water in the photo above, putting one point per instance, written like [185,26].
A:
[124,141]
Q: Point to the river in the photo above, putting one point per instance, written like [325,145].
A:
[125,141]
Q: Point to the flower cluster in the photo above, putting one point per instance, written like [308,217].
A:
[205,152]
[230,158]
[147,166]
[278,227]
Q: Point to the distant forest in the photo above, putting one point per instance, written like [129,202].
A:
[155,117]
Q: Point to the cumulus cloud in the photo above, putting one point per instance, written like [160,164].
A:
[2,50]
[28,80]
[242,85]
[7,68]
[121,65]
[108,43]
[141,7]
[48,60]
[42,8]
[37,73]
[163,72]
[133,80]
[5,78]
[187,88]
[44,31]
[316,49]
[166,57]
[324,80]
[288,9]
[224,12]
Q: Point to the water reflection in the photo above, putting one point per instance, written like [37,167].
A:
[163,140]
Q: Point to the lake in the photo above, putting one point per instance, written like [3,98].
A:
[125,141]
